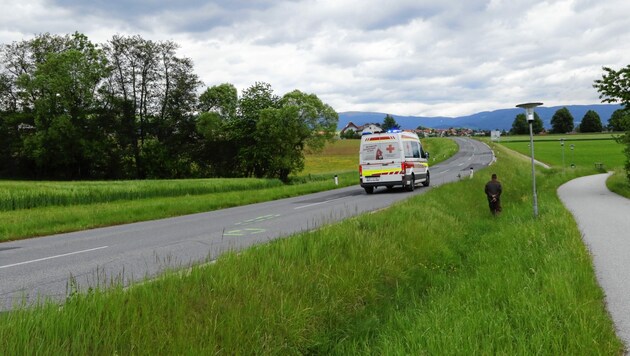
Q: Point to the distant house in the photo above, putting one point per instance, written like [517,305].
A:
[373,128]
[349,126]
[359,129]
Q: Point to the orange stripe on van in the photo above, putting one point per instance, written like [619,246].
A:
[381,138]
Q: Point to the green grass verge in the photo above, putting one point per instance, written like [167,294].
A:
[440,149]
[435,274]
[618,183]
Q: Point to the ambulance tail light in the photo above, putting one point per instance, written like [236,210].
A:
[361,170]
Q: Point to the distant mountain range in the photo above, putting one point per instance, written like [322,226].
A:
[487,120]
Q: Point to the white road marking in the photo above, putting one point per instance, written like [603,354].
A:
[321,202]
[51,257]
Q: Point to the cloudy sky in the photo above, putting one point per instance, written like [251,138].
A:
[405,57]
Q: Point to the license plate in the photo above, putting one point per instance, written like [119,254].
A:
[371,179]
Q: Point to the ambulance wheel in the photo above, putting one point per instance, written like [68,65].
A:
[428,181]
[412,184]
[369,190]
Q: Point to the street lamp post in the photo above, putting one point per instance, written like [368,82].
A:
[529,110]
[562,144]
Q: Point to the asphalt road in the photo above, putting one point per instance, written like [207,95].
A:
[602,217]
[51,266]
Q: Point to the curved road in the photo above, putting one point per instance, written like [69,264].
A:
[44,267]
[602,217]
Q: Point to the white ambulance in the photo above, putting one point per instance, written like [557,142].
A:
[393,158]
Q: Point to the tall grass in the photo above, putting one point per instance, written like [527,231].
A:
[48,220]
[16,195]
[618,183]
[436,274]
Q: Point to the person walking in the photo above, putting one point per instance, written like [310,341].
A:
[493,191]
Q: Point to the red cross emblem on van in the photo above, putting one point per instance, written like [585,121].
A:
[390,148]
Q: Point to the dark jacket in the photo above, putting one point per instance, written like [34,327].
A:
[493,189]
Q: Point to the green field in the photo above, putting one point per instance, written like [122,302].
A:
[587,150]
[433,275]
[17,195]
[29,208]
[338,156]
[557,137]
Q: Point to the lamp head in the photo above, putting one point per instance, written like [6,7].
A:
[529,109]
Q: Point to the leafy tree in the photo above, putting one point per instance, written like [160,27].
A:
[71,109]
[537,125]
[154,94]
[389,123]
[210,125]
[8,101]
[175,127]
[253,101]
[349,134]
[59,89]
[591,122]
[301,121]
[320,119]
[222,99]
[619,120]
[520,126]
[280,141]
[562,121]
[615,87]
[219,105]
[216,153]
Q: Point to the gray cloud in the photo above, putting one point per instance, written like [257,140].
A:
[406,57]
[179,16]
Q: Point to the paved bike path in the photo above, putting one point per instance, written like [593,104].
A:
[603,217]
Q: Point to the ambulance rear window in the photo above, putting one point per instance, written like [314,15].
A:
[371,151]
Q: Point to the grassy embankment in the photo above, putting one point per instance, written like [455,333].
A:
[435,274]
[40,208]
[618,183]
